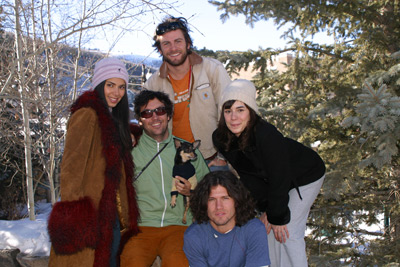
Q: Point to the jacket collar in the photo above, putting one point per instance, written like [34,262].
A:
[194,59]
[90,99]
[149,141]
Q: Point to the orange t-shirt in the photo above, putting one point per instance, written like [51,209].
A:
[180,121]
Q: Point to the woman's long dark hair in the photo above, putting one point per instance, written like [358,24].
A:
[226,137]
[120,115]
[244,203]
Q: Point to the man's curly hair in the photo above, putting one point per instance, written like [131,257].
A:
[244,204]
[143,98]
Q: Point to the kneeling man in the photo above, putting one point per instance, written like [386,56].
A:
[225,232]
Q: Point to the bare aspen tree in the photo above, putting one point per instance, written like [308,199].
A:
[25,112]
[50,68]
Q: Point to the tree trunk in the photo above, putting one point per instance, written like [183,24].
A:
[25,113]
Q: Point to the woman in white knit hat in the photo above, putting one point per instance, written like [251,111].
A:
[282,175]
[98,199]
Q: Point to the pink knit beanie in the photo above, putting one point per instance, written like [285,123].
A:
[108,68]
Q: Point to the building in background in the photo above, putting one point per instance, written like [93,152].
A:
[278,63]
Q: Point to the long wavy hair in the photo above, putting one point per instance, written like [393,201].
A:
[120,115]
[244,203]
[226,137]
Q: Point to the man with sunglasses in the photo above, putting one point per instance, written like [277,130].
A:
[160,225]
[193,83]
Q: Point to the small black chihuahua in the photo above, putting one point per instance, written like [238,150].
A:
[185,153]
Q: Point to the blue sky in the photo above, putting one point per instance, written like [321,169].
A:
[207,31]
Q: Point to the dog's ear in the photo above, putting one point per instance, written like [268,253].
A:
[177,143]
[196,144]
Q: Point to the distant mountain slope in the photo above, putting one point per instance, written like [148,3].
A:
[148,61]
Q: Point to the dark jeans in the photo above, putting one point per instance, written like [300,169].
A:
[218,168]
[115,243]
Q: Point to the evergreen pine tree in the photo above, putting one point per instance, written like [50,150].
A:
[344,97]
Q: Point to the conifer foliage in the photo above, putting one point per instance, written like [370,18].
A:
[343,99]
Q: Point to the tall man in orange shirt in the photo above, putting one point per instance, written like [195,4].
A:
[193,83]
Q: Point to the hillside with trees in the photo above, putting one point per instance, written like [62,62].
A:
[44,66]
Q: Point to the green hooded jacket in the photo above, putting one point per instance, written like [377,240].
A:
[153,187]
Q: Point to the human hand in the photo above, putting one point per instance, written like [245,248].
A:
[264,220]
[280,232]
[217,162]
[184,187]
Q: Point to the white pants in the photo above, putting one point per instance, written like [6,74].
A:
[293,252]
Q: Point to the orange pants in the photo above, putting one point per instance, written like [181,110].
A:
[166,242]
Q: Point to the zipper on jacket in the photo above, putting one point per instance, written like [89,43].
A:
[162,184]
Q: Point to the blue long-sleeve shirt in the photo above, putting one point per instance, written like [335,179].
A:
[246,245]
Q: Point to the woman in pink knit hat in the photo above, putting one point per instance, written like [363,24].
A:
[98,200]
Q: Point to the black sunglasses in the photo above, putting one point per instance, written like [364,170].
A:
[148,113]
[169,27]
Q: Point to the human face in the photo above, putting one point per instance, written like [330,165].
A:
[114,90]
[237,117]
[174,48]
[156,126]
[221,209]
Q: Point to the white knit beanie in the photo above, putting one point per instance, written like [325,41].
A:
[108,68]
[242,90]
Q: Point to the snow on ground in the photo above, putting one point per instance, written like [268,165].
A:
[30,237]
